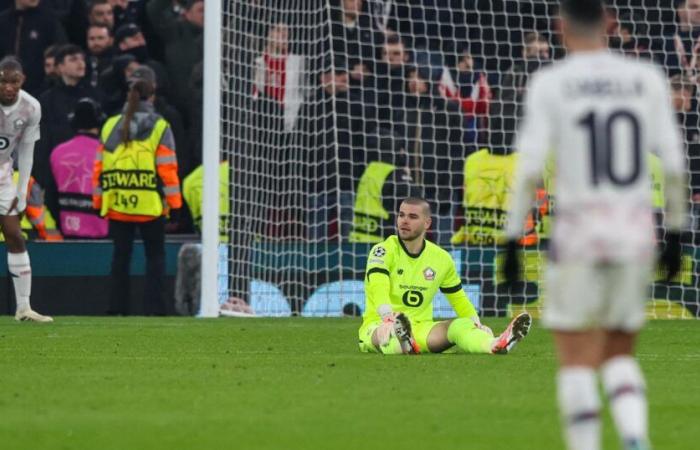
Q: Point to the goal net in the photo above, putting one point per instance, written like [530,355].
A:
[335,110]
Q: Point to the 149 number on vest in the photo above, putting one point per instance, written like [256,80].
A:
[126,201]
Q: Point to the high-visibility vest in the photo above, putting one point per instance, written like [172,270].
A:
[37,221]
[657,182]
[545,201]
[192,191]
[370,216]
[487,187]
[129,180]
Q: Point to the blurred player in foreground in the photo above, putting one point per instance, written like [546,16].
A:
[20,114]
[600,114]
[403,275]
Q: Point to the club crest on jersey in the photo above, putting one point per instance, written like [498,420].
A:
[19,123]
[379,252]
[429,274]
[4,142]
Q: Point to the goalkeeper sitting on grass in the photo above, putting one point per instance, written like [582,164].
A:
[403,275]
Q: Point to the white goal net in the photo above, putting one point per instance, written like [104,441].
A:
[335,110]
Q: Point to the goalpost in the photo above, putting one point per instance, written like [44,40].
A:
[329,112]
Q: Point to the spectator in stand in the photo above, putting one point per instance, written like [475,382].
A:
[100,12]
[138,139]
[277,85]
[70,197]
[127,11]
[113,82]
[73,14]
[100,52]
[390,87]
[51,76]
[183,39]
[686,107]
[535,54]
[26,30]
[630,36]
[354,34]
[681,50]
[174,118]
[270,69]
[468,87]
[58,103]
[128,39]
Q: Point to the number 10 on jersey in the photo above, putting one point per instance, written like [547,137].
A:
[602,130]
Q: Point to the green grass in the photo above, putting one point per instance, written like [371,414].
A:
[174,383]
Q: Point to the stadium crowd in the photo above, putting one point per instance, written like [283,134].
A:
[415,88]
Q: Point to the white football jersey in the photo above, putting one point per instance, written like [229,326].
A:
[598,114]
[19,123]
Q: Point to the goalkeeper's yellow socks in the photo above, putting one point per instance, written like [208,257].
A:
[468,337]
[21,272]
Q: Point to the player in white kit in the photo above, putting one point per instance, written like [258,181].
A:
[598,114]
[20,114]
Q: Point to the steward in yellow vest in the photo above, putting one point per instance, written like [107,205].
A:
[488,177]
[192,191]
[381,187]
[135,184]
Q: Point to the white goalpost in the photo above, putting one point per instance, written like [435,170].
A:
[211,145]
[329,112]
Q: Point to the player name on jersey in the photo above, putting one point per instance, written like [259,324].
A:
[603,87]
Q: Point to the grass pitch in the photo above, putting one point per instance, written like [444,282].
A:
[175,383]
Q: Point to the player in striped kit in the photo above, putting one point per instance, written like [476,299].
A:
[20,114]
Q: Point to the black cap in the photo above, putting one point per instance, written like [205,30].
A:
[125,31]
[86,115]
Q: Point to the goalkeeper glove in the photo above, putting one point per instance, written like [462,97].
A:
[511,262]
[481,326]
[386,330]
[671,254]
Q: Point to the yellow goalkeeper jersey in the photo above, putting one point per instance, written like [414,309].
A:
[409,282]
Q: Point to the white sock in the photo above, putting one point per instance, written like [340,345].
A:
[579,406]
[624,385]
[21,272]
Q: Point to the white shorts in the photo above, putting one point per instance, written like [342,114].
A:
[8,189]
[583,296]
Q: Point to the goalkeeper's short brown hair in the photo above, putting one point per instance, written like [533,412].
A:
[419,201]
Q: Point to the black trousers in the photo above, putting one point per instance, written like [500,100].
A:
[123,235]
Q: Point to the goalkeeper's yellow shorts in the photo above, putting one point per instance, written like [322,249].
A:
[421,330]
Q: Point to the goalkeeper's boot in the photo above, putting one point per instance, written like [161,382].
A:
[515,332]
[29,315]
[402,329]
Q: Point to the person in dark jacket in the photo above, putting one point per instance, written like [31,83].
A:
[26,30]
[51,77]
[113,83]
[183,43]
[100,52]
[130,40]
[58,103]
